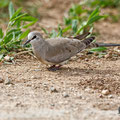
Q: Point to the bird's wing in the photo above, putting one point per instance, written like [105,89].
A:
[61,49]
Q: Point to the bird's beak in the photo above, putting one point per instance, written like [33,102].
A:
[27,42]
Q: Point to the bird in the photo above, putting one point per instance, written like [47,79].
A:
[54,52]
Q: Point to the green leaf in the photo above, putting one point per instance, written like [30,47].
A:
[16,13]
[7,39]
[94,13]
[66,29]
[18,17]
[1,33]
[11,10]
[28,18]
[1,56]
[67,21]
[4,3]
[74,26]
[45,31]
[30,24]
[23,35]
[94,19]
[10,36]
[98,49]
[60,31]
[81,28]
[12,30]
[53,34]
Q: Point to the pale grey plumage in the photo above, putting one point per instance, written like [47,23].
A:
[56,50]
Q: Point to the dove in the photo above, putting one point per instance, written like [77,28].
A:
[56,51]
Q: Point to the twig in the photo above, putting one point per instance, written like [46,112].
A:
[23,52]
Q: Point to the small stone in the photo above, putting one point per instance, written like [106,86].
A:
[119,110]
[44,84]
[52,89]
[7,58]
[1,80]
[79,96]
[36,70]
[110,96]
[33,77]
[65,95]
[18,104]
[7,81]
[52,104]
[100,96]
[86,59]
[88,90]
[105,92]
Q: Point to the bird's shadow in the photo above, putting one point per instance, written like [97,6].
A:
[67,71]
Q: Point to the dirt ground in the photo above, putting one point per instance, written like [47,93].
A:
[85,89]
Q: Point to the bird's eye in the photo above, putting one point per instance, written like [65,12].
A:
[34,37]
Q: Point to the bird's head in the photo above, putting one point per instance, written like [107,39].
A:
[33,37]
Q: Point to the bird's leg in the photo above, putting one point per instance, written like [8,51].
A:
[54,68]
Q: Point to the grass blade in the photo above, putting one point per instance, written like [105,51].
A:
[16,13]
[18,17]
[26,26]
[94,13]
[93,19]
[74,26]
[1,33]
[23,35]
[11,10]
[98,49]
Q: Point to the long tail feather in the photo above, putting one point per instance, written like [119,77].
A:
[91,45]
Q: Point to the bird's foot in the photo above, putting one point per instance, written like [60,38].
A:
[54,68]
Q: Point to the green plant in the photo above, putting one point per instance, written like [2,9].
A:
[4,3]
[79,20]
[103,3]
[19,22]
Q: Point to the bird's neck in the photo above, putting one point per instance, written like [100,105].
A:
[39,47]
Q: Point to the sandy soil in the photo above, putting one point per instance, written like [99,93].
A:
[85,89]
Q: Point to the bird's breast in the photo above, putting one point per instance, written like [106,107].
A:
[40,56]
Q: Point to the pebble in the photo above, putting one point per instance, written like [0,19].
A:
[45,84]
[7,58]
[1,80]
[79,96]
[52,89]
[110,96]
[52,104]
[7,81]
[88,90]
[119,110]
[33,77]
[101,96]
[105,92]
[65,95]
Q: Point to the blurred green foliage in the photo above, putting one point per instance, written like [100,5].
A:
[102,3]
[18,21]
[78,21]
[4,3]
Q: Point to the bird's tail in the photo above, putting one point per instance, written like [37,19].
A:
[91,45]
[88,40]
